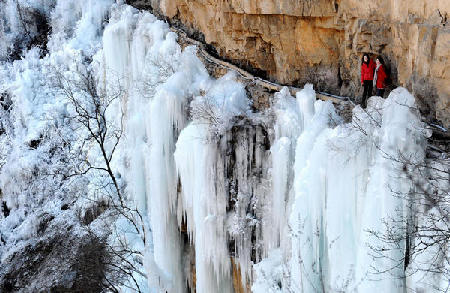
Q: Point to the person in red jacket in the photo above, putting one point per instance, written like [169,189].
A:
[367,70]
[379,77]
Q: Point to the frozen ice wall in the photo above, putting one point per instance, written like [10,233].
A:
[349,178]
[288,194]
[161,80]
[345,181]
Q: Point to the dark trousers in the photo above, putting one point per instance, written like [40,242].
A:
[380,92]
[368,87]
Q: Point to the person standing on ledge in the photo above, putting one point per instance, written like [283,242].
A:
[367,69]
[379,76]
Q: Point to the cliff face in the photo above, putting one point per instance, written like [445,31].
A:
[322,41]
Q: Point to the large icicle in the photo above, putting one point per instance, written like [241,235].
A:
[287,129]
[309,249]
[167,118]
[201,169]
[205,202]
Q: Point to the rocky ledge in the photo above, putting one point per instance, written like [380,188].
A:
[321,41]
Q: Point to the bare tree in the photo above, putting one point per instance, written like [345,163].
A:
[423,230]
[90,104]
[421,227]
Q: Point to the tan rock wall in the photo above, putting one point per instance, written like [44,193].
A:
[321,41]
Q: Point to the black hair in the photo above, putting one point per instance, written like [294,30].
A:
[368,58]
[381,60]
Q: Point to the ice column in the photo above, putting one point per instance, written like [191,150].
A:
[205,202]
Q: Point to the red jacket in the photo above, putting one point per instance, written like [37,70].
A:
[367,71]
[381,77]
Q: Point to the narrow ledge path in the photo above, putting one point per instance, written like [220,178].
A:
[215,65]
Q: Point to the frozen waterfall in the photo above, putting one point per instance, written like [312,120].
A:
[233,200]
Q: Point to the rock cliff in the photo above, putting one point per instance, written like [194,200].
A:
[322,41]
